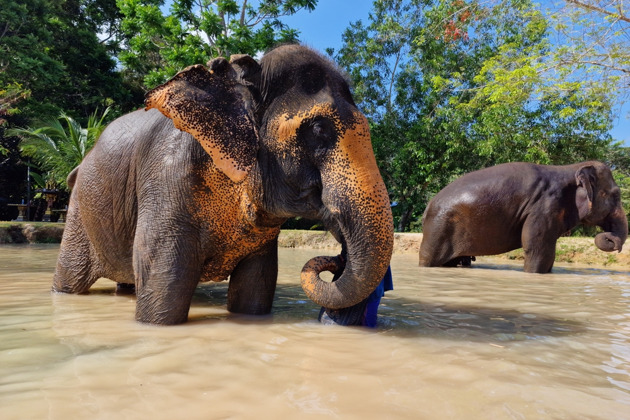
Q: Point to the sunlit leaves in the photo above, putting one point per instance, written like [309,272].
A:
[594,35]
[161,42]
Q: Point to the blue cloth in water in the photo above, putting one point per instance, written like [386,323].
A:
[370,316]
[364,313]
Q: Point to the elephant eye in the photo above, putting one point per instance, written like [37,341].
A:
[318,129]
[321,129]
[321,137]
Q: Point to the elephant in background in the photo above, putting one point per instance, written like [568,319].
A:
[195,188]
[521,205]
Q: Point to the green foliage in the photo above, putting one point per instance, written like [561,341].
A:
[451,86]
[50,49]
[59,146]
[10,95]
[158,44]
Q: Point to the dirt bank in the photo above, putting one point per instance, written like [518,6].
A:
[403,242]
[569,250]
[30,233]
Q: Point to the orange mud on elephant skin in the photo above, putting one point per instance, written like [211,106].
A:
[195,188]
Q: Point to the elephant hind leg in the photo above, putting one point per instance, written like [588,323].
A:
[436,252]
[76,269]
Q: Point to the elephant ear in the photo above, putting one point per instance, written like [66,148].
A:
[211,105]
[247,69]
[585,177]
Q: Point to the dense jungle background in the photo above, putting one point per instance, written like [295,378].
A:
[449,86]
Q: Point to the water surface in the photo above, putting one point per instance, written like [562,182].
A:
[491,342]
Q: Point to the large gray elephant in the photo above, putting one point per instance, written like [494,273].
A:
[521,205]
[195,188]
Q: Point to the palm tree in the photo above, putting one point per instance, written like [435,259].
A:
[59,146]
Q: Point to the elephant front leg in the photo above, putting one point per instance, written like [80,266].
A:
[539,247]
[167,271]
[253,282]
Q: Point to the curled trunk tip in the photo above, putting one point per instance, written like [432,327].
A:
[608,242]
[312,283]
[348,290]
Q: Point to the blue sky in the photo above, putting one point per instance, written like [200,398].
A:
[323,27]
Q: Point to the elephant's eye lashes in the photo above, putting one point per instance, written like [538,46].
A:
[321,128]
[318,128]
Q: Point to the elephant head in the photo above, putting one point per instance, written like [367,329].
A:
[297,139]
[598,200]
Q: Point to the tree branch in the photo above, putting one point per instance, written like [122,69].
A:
[224,23]
[391,82]
[242,22]
[6,28]
[600,64]
[593,8]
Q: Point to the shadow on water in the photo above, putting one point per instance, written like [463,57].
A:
[557,269]
[406,317]
[473,323]
[398,316]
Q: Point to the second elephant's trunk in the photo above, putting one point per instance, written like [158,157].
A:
[616,232]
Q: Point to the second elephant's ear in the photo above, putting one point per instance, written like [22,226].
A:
[212,106]
[586,178]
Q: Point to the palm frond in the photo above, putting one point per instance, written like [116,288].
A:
[59,146]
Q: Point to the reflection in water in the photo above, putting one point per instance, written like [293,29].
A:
[487,342]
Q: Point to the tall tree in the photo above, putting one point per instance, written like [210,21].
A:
[451,86]
[51,49]
[594,37]
[158,44]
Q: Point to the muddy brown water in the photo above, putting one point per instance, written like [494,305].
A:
[489,342]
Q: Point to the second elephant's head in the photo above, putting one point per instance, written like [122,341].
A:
[294,129]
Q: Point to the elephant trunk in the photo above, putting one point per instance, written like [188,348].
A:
[616,232]
[356,198]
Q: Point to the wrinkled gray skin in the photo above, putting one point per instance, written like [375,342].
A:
[521,205]
[196,188]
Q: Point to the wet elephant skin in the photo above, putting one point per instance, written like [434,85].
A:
[195,187]
[514,205]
